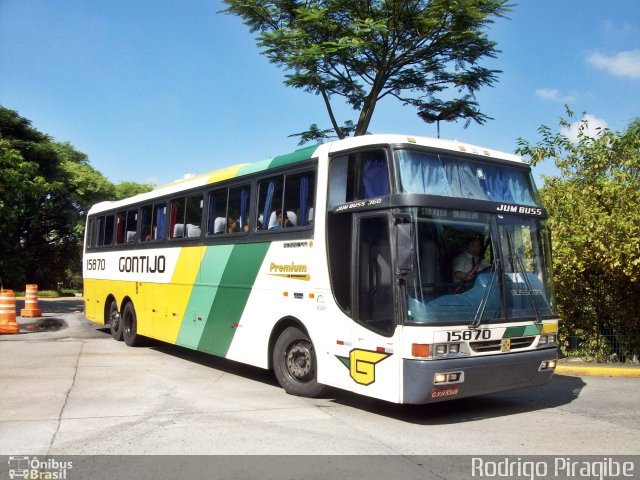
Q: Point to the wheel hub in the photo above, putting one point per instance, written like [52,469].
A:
[115,320]
[299,361]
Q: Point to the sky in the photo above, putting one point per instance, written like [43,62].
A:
[151,90]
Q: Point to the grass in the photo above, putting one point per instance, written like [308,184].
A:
[63,292]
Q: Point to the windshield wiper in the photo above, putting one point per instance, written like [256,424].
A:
[477,318]
[518,264]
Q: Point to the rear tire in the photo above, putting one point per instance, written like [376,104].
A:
[295,365]
[115,321]
[130,326]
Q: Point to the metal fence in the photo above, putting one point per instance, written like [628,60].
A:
[602,348]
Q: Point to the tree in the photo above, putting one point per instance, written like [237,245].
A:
[594,209]
[46,189]
[365,50]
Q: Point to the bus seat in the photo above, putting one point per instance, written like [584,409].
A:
[219,225]
[178,230]
[193,231]
[131,236]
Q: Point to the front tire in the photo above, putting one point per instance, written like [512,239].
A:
[294,363]
[130,326]
[115,321]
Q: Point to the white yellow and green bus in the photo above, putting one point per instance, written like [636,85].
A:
[341,264]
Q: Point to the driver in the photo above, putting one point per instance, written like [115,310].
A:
[469,262]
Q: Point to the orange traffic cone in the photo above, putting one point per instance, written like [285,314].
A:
[31,302]
[8,322]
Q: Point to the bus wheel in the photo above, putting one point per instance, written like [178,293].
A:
[130,326]
[294,363]
[115,321]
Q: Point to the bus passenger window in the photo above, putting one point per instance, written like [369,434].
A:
[270,201]
[238,214]
[108,230]
[193,216]
[121,221]
[186,216]
[217,215]
[145,223]
[152,222]
[159,221]
[132,226]
[299,198]
[358,176]
[176,225]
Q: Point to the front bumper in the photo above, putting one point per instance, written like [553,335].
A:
[487,374]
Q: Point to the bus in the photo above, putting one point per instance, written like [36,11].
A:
[342,265]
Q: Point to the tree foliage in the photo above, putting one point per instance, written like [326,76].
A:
[365,50]
[594,208]
[46,189]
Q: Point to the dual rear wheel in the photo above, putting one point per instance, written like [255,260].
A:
[124,325]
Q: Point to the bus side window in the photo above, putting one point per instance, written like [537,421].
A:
[186,217]
[269,203]
[106,237]
[193,216]
[299,198]
[176,224]
[159,221]
[132,226]
[358,176]
[238,212]
[217,212]
[145,223]
[90,233]
[121,221]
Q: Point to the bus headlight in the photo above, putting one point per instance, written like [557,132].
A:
[448,377]
[547,365]
[547,340]
[441,349]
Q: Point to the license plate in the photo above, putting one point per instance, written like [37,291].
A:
[505,345]
[445,392]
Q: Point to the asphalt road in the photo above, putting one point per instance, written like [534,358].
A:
[75,391]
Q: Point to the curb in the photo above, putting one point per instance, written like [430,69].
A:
[598,371]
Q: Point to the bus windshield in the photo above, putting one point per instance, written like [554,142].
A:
[477,268]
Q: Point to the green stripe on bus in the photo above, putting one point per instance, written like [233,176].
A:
[204,292]
[239,275]
[279,161]
[522,331]
[293,157]
[254,167]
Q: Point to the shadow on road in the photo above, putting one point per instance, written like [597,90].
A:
[562,390]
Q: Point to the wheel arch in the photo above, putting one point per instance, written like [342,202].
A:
[277,330]
[107,302]
[126,300]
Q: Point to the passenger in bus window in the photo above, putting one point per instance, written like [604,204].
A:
[280,222]
[233,225]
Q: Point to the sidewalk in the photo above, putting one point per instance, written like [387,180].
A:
[580,368]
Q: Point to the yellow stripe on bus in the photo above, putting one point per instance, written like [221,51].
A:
[174,297]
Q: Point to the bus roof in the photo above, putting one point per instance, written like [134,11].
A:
[302,154]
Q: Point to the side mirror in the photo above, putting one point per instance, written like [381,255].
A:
[405,251]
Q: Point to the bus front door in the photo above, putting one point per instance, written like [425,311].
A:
[375,360]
